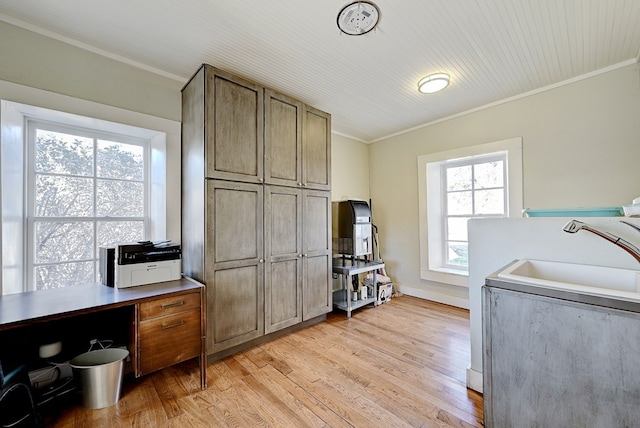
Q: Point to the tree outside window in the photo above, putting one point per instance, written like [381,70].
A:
[85,191]
[472,188]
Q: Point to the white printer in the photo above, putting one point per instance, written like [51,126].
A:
[139,263]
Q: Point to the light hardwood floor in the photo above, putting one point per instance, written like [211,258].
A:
[400,364]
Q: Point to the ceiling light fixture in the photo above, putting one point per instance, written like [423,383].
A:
[433,83]
[358,18]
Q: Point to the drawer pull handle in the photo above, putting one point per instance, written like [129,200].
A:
[172,305]
[175,324]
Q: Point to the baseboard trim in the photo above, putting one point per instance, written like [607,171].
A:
[435,296]
[474,380]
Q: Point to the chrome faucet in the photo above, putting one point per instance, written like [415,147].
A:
[574,225]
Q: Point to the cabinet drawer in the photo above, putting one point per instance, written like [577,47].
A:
[169,305]
[168,340]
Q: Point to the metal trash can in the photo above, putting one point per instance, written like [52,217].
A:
[100,376]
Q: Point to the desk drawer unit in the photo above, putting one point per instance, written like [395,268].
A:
[169,331]
[169,305]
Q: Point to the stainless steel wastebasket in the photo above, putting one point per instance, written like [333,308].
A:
[99,375]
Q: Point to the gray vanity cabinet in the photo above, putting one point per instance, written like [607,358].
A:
[559,358]
[256,203]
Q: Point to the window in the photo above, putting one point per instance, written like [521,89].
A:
[455,186]
[472,188]
[71,183]
[86,190]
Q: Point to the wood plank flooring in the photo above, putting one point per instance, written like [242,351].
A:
[401,364]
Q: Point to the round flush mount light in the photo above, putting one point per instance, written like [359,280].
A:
[358,18]
[433,83]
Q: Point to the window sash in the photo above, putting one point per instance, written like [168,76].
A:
[472,162]
[93,218]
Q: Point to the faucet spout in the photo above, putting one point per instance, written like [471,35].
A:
[630,225]
[574,226]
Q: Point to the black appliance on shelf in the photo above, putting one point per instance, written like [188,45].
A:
[351,234]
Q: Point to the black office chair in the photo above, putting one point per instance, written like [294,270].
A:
[17,406]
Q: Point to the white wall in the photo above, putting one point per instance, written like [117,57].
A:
[29,59]
[580,148]
[349,169]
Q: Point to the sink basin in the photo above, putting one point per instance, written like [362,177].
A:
[589,279]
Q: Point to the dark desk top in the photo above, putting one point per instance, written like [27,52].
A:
[34,306]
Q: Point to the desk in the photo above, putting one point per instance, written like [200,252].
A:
[347,267]
[154,309]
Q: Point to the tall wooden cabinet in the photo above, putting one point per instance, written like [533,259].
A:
[256,206]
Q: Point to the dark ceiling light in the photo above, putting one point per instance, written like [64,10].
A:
[358,18]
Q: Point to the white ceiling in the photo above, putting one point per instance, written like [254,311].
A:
[493,49]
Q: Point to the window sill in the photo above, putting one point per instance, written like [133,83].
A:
[448,276]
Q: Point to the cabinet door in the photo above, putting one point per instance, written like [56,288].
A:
[282,140]
[234,255]
[283,254]
[317,267]
[316,149]
[234,124]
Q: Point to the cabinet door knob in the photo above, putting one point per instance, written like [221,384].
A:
[261,261]
[260,180]
[300,184]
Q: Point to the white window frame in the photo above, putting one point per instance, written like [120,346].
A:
[430,201]
[13,121]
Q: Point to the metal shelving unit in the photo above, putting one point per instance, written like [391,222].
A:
[346,267]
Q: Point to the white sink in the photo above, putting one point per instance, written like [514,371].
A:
[587,279]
